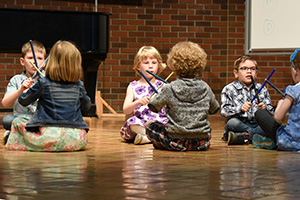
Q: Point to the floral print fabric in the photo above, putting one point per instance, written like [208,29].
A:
[47,139]
[142,113]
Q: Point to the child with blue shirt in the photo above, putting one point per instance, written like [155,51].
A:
[286,137]
[21,82]
[236,104]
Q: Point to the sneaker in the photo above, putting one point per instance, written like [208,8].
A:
[225,137]
[238,138]
[141,139]
[5,137]
[262,142]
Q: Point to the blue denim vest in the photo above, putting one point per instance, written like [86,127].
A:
[59,104]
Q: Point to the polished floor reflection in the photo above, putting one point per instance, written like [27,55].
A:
[112,169]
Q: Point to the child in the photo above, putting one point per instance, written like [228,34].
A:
[287,137]
[188,102]
[57,125]
[21,82]
[236,104]
[138,95]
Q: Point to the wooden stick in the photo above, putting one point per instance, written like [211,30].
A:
[275,88]
[157,76]
[254,87]
[33,53]
[148,82]
[37,69]
[40,67]
[162,83]
[263,84]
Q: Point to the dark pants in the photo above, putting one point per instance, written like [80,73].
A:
[267,122]
[7,120]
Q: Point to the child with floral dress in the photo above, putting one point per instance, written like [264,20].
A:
[138,95]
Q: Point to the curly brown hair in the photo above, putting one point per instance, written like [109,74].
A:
[187,59]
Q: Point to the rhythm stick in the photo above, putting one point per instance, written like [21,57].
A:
[156,76]
[148,81]
[40,67]
[255,90]
[275,88]
[33,53]
[162,83]
[263,84]
[37,69]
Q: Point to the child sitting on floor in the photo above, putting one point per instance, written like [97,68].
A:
[236,104]
[188,102]
[57,124]
[21,82]
[138,95]
[286,137]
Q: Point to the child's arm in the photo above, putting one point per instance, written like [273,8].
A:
[282,108]
[9,99]
[31,95]
[129,103]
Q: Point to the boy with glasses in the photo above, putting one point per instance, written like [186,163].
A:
[236,104]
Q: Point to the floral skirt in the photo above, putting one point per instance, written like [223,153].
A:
[46,139]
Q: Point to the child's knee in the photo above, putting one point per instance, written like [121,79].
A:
[148,122]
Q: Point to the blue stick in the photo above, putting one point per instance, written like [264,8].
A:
[40,67]
[148,82]
[33,53]
[263,84]
[157,76]
[275,87]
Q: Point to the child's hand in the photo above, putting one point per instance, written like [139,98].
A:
[27,84]
[144,101]
[246,106]
[261,106]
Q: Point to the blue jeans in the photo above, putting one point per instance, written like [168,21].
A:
[236,125]
[7,120]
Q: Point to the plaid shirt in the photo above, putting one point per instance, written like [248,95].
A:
[235,94]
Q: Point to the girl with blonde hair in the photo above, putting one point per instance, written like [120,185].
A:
[138,95]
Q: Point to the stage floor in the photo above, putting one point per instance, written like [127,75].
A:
[111,169]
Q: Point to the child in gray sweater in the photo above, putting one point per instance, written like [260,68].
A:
[188,102]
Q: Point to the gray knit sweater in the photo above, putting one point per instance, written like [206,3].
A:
[188,103]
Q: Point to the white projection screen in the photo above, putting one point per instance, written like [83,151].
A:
[272,25]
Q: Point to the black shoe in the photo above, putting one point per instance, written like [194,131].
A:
[225,137]
[238,138]
[5,137]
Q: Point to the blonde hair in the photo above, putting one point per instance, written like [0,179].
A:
[243,59]
[64,62]
[37,46]
[148,52]
[187,59]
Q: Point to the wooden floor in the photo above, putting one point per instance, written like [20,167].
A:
[112,169]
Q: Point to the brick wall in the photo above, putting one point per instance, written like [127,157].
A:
[217,25]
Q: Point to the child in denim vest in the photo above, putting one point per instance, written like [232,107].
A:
[57,125]
[138,94]
[285,137]
[188,102]
[21,82]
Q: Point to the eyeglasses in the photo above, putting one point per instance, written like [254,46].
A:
[247,68]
